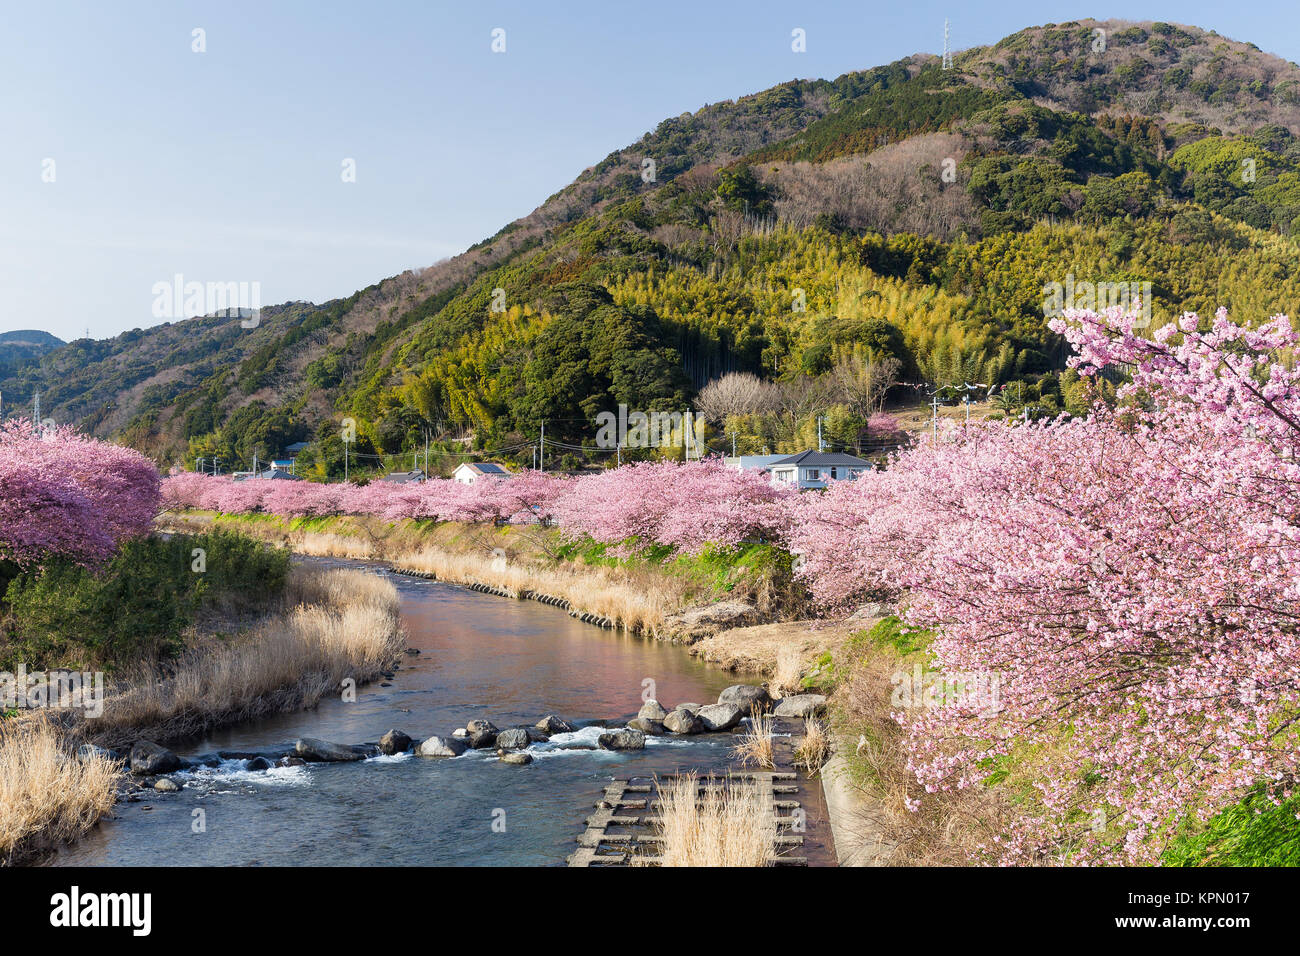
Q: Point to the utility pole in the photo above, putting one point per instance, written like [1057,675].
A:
[36,409]
[821,445]
[934,419]
[541,449]
[733,444]
[426,454]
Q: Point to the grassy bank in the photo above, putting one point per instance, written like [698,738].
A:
[331,626]
[955,827]
[48,795]
[308,635]
[644,590]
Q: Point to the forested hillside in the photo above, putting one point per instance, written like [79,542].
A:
[906,218]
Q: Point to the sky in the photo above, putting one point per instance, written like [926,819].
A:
[129,158]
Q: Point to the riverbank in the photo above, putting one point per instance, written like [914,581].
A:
[656,592]
[332,629]
[332,626]
[49,795]
[740,613]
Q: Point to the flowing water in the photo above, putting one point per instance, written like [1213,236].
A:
[481,656]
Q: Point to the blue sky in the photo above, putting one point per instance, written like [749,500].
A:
[225,165]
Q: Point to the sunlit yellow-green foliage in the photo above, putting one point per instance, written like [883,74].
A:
[787,283]
[976,311]
[467,381]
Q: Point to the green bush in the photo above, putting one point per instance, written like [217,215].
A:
[137,607]
[1255,832]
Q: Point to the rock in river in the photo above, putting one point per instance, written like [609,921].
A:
[481,733]
[442,747]
[647,726]
[652,710]
[148,757]
[622,740]
[514,739]
[515,757]
[800,705]
[551,724]
[683,722]
[322,751]
[166,785]
[394,742]
[718,717]
[745,696]
[258,763]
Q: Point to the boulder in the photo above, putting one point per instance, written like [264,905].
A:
[322,751]
[723,614]
[693,708]
[460,732]
[481,734]
[719,717]
[622,740]
[394,742]
[258,763]
[442,747]
[536,736]
[800,705]
[149,758]
[683,722]
[746,697]
[515,757]
[551,724]
[652,710]
[647,726]
[513,739]
[291,762]
[166,785]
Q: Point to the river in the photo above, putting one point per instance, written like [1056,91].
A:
[480,656]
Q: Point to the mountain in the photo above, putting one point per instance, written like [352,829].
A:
[23,347]
[906,212]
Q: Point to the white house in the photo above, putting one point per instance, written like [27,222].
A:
[752,462]
[471,471]
[814,469]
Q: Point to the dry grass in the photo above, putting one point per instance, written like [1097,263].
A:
[756,744]
[321,544]
[788,673]
[950,825]
[336,624]
[814,749]
[757,649]
[48,796]
[719,825]
[634,601]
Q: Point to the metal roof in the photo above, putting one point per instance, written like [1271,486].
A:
[822,459]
